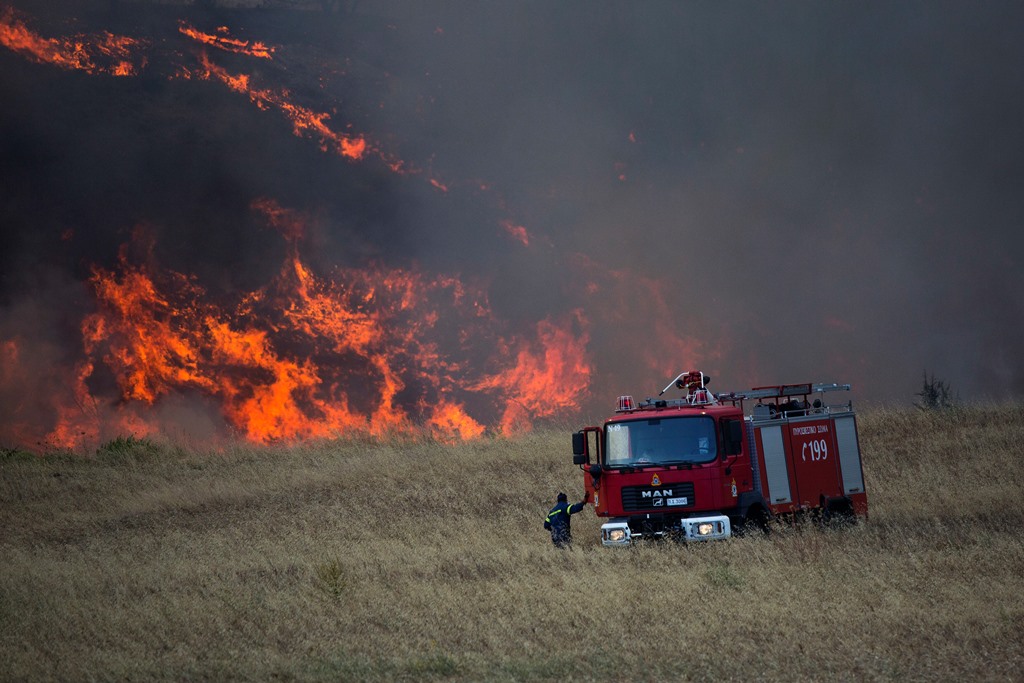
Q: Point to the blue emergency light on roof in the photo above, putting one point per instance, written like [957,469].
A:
[624,404]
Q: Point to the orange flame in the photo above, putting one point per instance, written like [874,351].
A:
[372,350]
[369,350]
[155,353]
[223,41]
[450,422]
[549,376]
[85,53]
[115,55]
[304,121]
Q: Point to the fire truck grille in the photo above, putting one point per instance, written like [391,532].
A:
[666,497]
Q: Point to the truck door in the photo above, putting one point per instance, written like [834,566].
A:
[594,486]
[849,454]
[775,466]
[812,444]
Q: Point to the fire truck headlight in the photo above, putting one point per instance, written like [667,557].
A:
[707,528]
[616,533]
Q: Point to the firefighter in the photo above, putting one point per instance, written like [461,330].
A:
[557,521]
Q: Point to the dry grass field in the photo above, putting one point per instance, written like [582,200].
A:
[415,560]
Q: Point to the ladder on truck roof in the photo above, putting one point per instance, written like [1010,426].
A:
[781,391]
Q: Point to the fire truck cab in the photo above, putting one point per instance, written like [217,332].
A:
[699,468]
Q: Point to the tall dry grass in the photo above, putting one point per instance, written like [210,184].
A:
[420,561]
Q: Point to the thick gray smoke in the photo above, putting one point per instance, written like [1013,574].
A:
[815,191]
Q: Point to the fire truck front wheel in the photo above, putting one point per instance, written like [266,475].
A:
[756,521]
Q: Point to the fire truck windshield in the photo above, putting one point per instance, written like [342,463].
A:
[661,441]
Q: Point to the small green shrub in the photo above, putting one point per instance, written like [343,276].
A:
[15,455]
[438,664]
[330,577]
[935,394]
[724,576]
[127,448]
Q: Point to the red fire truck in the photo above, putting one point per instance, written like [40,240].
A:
[699,468]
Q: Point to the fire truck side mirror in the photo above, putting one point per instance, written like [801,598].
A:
[580,456]
[732,430]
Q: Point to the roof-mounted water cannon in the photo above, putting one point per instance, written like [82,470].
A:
[695,383]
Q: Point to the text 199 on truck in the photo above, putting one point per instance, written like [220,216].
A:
[699,468]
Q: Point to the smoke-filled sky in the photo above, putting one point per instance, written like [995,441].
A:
[769,192]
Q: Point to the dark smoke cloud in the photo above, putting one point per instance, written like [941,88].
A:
[832,187]
[829,191]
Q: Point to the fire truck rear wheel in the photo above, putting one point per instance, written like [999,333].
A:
[838,514]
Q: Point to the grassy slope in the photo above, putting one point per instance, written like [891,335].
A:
[420,561]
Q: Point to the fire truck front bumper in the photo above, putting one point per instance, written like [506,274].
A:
[711,528]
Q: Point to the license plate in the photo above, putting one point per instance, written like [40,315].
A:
[676,501]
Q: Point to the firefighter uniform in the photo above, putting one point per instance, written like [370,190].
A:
[557,521]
